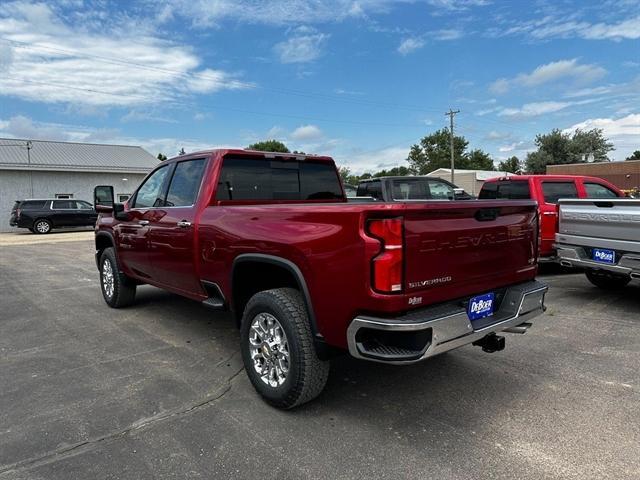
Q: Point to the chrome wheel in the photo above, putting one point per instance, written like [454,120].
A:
[269,349]
[42,227]
[107,278]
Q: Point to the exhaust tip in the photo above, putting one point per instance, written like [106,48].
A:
[564,263]
[635,276]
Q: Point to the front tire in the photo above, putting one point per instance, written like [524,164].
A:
[607,281]
[278,351]
[118,290]
[41,226]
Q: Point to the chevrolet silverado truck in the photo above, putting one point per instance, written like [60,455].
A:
[271,237]
[601,236]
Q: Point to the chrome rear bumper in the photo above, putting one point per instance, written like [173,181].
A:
[574,256]
[440,328]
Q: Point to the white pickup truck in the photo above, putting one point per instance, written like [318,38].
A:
[603,237]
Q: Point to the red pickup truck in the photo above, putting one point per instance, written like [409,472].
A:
[547,190]
[272,238]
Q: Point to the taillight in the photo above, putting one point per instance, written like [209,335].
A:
[18,213]
[386,266]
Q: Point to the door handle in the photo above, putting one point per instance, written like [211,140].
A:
[143,222]
[183,224]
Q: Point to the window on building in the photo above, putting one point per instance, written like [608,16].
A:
[64,195]
[553,191]
[596,190]
[123,197]
[185,183]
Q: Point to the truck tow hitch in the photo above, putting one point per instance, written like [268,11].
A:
[491,343]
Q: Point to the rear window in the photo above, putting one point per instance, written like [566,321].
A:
[33,205]
[370,189]
[510,189]
[421,189]
[259,179]
[553,191]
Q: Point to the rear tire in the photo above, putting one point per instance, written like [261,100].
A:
[607,281]
[41,226]
[278,351]
[118,290]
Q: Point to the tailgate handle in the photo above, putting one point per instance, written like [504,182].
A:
[487,214]
[603,204]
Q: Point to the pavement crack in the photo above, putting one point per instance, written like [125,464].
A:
[87,445]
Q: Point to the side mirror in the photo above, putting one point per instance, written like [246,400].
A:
[103,198]
[119,212]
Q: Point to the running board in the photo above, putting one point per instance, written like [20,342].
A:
[216,298]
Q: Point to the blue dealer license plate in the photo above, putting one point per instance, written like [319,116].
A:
[604,256]
[481,306]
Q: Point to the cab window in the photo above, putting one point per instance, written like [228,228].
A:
[596,190]
[553,191]
[151,192]
[185,183]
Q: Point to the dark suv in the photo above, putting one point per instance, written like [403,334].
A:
[41,215]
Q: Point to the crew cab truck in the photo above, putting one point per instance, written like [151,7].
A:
[603,237]
[546,190]
[271,237]
[409,188]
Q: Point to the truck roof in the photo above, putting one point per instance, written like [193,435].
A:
[253,153]
[533,176]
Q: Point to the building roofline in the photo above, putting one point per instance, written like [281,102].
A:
[71,143]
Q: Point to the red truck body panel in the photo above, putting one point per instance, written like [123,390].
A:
[548,210]
[451,249]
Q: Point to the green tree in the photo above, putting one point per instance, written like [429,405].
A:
[478,160]
[511,165]
[182,152]
[162,157]
[345,173]
[556,148]
[394,172]
[434,151]
[634,156]
[269,146]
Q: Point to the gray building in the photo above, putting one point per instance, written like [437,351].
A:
[43,169]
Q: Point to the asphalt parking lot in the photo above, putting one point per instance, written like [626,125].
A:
[158,391]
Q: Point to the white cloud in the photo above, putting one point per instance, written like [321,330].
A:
[24,127]
[534,109]
[372,161]
[558,26]
[551,72]
[304,45]
[623,132]
[50,61]
[629,125]
[409,45]
[306,133]
[446,34]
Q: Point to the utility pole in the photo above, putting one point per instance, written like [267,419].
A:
[451,114]
[29,146]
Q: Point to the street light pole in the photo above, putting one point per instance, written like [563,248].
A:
[29,147]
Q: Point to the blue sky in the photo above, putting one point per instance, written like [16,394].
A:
[358,80]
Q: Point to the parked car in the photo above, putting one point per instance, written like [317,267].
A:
[410,188]
[603,237]
[546,190]
[43,215]
[271,237]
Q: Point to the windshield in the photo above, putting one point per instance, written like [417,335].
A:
[421,189]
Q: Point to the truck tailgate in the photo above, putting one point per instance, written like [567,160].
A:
[612,219]
[458,248]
